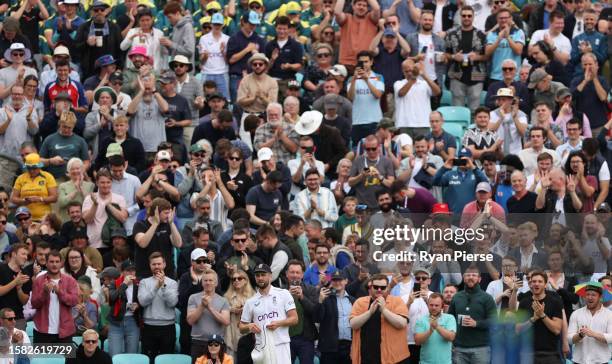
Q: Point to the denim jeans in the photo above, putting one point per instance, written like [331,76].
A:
[222,81]
[477,355]
[303,349]
[123,338]
[234,80]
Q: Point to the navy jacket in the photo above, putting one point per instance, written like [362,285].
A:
[327,317]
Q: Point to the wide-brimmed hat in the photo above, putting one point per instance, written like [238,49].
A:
[139,51]
[105,89]
[505,92]
[309,122]
[179,58]
[259,57]
[33,160]
[17,47]
[105,60]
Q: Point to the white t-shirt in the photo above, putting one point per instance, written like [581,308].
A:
[515,138]
[262,310]
[418,309]
[482,10]
[54,311]
[430,55]
[413,109]
[402,140]
[216,63]
[561,42]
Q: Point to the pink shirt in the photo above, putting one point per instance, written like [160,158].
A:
[94,229]
[471,211]
[562,120]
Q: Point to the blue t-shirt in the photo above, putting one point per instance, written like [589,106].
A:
[436,349]
[65,147]
[366,107]
[504,52]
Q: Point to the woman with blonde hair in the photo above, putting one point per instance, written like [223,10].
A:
[237,294]
[73,190]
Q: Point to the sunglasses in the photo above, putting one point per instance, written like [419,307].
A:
[507,69]
[214,344]
[421,278]
[23,218]
[212,11]
[17,54]
[500,2]
[467,15]
[201,261]
[177,65]
[322,55]
[99,10]
[239,240]
[90,341]
[379,288]
[328,33]
[236,279]
[258,64]
[255,7]
[11,318]
[3,222]
[198,154]
[235,159]
[371,149]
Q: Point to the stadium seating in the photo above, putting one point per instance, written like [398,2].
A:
[173,359]
[30,329]
[456,114]
[130,359]
[456,130]
[48,360]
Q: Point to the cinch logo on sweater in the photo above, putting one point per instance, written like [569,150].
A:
[267,316]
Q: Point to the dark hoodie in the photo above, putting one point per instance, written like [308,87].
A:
[480,306]
[99,357]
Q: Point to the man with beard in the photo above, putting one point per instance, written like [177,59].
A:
[473,308]
[54,293]
[357,28]
[273,252]
[276,134]
[40,259]
[316,202]
[189,284]
[359,271]
[386,216]
[15,285]
[450,290]
[483,208]
[141,64]
[271,309]
[379,323]
[178,115]
[319,273]
[257,89]
[435,332]
[97,37]
[157,295]
[202,219]
[190,88]
[589,329]
[219,126]
[546,315]
[126,185]
[423,47]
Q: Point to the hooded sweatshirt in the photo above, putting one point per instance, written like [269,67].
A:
[183,39]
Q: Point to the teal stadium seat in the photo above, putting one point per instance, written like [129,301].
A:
[173,359]
[455,129]
[447,98]
[456,114]
[48,360]
[130,359]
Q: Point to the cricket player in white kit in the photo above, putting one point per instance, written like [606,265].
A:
[270,309]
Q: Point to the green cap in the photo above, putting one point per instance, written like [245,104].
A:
[196,148]
[114,149]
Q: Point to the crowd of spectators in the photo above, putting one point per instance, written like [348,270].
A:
[217,177]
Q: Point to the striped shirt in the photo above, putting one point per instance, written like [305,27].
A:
[325,201]
[190,89]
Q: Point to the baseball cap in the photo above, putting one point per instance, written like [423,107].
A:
[215,338]
[603,207]
[61,50]
[421,269]
[262,268]
[114,149]
[464,152]
[163,155]
[198,253]
[217,18]
[128,265]
[264,154]
[440,208]
[116,76]
[330,101]
[253,18]
[109,272]
[389,33]
[79,233]
[195,148]
[483,186]
[537,76]
[118,232]
[338,70]
[167,77]
[22,210]
[338,275]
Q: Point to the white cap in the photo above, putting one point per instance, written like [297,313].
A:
[483,186]
[17,46]
[61,50]
[264,154]
[198,253]
[163,155]
[338,70]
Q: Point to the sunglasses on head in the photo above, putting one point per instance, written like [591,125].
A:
[379,288]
